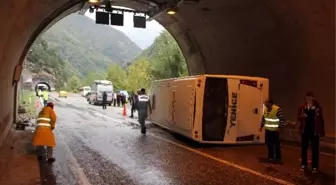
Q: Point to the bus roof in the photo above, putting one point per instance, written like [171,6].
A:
[215,76]
[102,82]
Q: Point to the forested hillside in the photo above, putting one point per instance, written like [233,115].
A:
[76,55]
[163,59]
[87,46]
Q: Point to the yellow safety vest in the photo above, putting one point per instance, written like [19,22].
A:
[39,93]
[44,119]
[45,95]
[271,119]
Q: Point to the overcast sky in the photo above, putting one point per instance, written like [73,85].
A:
[142,37]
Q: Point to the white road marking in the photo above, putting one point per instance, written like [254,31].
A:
[77,170]
[268,177]
[298,148]
[274,179]
[271,178]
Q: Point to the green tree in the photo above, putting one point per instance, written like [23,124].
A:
[74,84]
[91,77]
[168,60]
[139,75]
[117,75]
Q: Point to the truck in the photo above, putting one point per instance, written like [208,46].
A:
[98,87]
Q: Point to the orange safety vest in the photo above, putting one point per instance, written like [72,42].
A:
[44,135]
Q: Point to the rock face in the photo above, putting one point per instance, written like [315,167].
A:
[44,78]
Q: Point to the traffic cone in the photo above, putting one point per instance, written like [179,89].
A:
[124,110]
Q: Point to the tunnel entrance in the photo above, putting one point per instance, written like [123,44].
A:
[42,85]
[292,44]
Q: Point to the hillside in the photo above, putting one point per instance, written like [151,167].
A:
[86,46]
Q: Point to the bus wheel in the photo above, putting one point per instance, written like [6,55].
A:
[110,104]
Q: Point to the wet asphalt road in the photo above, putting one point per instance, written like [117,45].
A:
[98,147]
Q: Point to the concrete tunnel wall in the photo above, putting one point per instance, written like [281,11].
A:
[291,42]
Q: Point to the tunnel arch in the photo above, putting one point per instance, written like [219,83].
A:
[289,42]
[42,82]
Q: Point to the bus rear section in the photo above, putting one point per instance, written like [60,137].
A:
[219,109]
[245,109]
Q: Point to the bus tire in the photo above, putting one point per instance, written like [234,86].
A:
[110,104]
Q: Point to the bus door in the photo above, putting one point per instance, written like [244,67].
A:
[250,110]
[215,100]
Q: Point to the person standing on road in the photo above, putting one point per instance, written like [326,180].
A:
[118,99]
[104,100]
[45,95]
[142,105]
[134,100]
[44,136]
[114,99]
[123,99]
[311,128]
[272,121]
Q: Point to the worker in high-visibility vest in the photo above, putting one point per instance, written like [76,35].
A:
[39,93]
[272,121]
[44,136]
[45,97]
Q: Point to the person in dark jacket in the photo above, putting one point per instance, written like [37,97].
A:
[311,127]
[123,99]
[143,106]
[118,99]
[104,99]
[134,100]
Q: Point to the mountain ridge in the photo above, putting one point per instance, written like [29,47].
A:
[88,46]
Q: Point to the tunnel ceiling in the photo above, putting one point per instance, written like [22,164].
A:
[291,42]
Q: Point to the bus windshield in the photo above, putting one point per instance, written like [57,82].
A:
[215,109]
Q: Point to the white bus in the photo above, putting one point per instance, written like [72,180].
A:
[84,90]
[97,89]
[219,109]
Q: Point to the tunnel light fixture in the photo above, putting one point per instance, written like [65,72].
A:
[94,1]
[172,11]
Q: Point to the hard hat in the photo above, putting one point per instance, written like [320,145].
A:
[50,104]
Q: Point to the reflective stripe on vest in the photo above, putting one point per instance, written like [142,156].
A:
[44,124]
[44,119]
[271,119]
[143,98]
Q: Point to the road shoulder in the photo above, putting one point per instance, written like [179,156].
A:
[18,162]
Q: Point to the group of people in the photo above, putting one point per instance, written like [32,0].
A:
[139,101]
[311,128]
[43,95]
[309,117]
[119,99]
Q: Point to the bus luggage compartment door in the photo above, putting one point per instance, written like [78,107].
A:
[250,111]
[214,109]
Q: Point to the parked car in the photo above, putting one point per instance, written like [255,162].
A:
[63,94]
[87,96]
